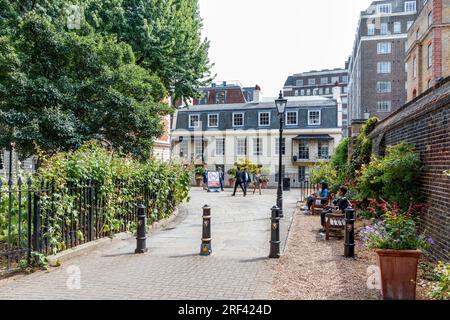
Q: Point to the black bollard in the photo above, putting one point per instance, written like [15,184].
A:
[205,248]
[141,238]
[275,233]
[349,237]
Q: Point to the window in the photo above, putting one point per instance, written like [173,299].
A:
[198,149]
[299,82]
[410,6]
[323,150]
[313,117]
[327,91]
[429,84]
[308,92]
[220,147]
[384,67]
[257,147]
[430,55]
[370,29]
[345,89]
[384,28]
[324,80]
[345,79]
[220,97]
[383,47]
[334,80]
[213,120]
[409,24]
[414,67]
[295,92]
[301,173]
[291,118]
[238,119]
[383,106]
[194,120]
[264,119]
[311,82]
[430,18]
[384,8]
[204,98]
[302,92]
[320,91]
[183,148]
[397,27]
[241,146]
[383,86]
[303,150]
[283,146]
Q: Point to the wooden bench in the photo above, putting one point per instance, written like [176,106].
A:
[334,225]
[324,202]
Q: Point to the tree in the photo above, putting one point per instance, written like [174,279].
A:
[59,89]
[164,34]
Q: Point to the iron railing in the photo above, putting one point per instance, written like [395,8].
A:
[31,211]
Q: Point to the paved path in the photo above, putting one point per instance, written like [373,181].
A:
[172,269]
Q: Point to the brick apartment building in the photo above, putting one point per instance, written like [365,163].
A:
[320,83]
[428,47]
[377,75]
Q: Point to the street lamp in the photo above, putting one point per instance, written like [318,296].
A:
[366,114]
[280,103]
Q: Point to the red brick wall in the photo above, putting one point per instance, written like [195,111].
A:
[426,123]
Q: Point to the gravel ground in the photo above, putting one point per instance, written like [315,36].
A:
[314,269]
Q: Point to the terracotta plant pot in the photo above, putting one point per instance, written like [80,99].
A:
[264,185]
[355,203]
[231,182]
[398,273]
[199,182]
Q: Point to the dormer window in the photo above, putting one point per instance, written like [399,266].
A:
[384,8]
[410,6]
[220,97]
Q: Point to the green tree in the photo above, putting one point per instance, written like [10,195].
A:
[164,34]
[59,89]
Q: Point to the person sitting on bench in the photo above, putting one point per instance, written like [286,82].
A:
[323,193]
[339,203]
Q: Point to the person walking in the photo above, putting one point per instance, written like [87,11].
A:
[257,181]
[221,178]
[239,182]
[246,178]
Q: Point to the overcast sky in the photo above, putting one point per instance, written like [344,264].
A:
[263,41]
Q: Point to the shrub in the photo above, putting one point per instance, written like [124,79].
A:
[441,288]
[393,178]
[167,183]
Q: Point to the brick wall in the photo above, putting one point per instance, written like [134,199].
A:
[425,122]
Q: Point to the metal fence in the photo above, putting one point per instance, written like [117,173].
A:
[28,214]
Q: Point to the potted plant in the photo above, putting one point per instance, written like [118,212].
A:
[232,173]
[199,172]
[398,245]
[264,181]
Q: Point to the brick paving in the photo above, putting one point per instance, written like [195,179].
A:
[172,269]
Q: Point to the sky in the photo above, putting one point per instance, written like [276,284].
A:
[264,41]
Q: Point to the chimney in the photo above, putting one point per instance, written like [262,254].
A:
[337,96]
[257,96]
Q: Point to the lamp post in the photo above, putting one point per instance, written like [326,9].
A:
[280,103]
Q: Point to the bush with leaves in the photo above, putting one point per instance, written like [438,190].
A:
[441,287]
[392,178]
[117,179]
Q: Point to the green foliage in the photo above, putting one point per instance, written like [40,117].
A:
[199,172]
[441,288]
[362,147]
[232,172]
[60,89]
[396,231]
[334,172]
[247,164]
[393,178]
[37,261]
[169,183]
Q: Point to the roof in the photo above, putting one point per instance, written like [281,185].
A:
[268,103]
[324,137]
